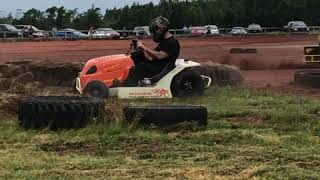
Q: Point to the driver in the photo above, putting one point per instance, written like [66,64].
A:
[162,56]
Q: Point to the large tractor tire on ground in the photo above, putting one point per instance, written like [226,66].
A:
[165,115]
[187,83]
[58,112]
[309,77]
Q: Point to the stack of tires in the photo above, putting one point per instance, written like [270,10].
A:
[308,77]
[59,112]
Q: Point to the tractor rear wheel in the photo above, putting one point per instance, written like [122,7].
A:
[187,83]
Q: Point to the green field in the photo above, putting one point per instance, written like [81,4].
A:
[250,134]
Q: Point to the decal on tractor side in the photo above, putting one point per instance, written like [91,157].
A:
[160,92]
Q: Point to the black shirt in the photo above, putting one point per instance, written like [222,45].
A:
[170,46]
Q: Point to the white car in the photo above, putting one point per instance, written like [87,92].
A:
[36,32]
[254,28]
[238,31]
[141,31]
[212,29]
[106,33]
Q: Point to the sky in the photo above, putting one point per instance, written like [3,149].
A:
[8,6]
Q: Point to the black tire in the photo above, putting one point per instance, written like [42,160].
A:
[187,83]
[58,112]
[165,115]
[309,77]
[96,89]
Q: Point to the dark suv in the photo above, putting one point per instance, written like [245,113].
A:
[7,31]
[296,26]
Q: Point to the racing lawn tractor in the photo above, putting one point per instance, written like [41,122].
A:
[106,76]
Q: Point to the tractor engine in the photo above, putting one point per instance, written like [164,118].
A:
[106,69]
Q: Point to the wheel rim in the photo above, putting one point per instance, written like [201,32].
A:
[188,86]
[95,93]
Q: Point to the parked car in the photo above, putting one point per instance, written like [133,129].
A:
[141,31]
[198,30]
[238,31]
[296,26]
[70,33]
[254,28]
[35,31]
[212,29]
[7,30]
[106,33]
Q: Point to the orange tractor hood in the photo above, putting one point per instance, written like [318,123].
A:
[108,69]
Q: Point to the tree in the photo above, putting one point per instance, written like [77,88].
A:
[91,18]
[224,13]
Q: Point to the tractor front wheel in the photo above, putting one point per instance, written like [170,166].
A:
[96,89]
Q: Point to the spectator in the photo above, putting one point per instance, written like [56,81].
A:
[190,29]
[185,29]
[91,32]
[125,33]
[54,31]
[31,31]
[208,30]
[25,32]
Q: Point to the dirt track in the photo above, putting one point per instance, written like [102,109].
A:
[273,53]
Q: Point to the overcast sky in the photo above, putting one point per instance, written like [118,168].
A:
[7,6]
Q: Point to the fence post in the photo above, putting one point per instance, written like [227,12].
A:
[5,35]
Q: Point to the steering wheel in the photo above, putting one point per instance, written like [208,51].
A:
[134,45]
[136,53]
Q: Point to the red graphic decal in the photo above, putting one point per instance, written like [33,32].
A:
[161,92]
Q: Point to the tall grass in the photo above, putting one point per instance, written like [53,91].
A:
[251,134]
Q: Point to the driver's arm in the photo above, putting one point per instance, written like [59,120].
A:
[152,54]
[147,55]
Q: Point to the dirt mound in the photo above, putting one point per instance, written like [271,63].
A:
[221,74]
[55,74]
[8,103]
[25,76]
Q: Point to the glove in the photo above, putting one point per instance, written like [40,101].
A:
[145,82]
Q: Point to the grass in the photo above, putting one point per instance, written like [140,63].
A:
[251,134]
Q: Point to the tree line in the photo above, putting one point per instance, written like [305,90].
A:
[224,13]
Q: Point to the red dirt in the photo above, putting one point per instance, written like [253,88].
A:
[268,67]
[279,81]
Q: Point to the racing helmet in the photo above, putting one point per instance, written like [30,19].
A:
[158,28]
